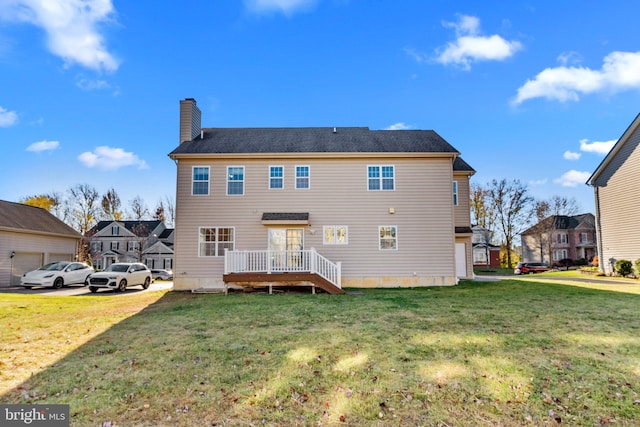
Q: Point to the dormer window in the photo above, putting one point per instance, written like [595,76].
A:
[115,230]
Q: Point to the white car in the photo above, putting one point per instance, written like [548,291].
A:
[57,275]
[119,276]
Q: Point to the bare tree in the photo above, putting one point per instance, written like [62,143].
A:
[139,209]
[170,211]
[512,205]
[159,214]
[111,205]
[82,210]
[83,207]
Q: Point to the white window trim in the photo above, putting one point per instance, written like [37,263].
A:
[208,181]
[381,177]
[215,242]
[276,188]
[308,177]
[380,248]
[335,237]
[243,180]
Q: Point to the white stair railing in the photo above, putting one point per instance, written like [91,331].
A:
[269,261]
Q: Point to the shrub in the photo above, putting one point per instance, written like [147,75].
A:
[638,268]
[624,267]
[594,261]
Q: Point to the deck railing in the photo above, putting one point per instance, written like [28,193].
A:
[268,261]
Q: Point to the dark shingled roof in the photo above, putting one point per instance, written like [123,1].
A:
[314,140]
[132,226]
[285,216]
[30,218]
[462,166]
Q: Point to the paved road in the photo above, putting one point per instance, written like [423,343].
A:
[78,290]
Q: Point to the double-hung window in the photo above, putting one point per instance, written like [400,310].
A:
[212,241]
[388,237]
[302,177]
[235,181]
[276,177]
[381,178]
[200,181]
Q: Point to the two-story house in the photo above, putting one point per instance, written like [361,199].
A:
[149,242]
[560,237]
[485,253]
[357,207]
[616,184]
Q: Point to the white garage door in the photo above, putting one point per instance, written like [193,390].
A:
[23,262]
[461,260]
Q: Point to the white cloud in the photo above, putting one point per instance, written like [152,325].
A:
[7,118]
[573,178]
[538,181]
[399,126]
[92,84]
[470,46]
[571,155]
[620,71]
[43,146]
[108,158]
[598,147]
[71,27]
[287,7]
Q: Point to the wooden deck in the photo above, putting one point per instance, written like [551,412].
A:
[281,280]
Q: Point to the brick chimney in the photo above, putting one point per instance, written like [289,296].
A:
[190,120]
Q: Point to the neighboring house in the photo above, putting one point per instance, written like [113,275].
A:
[485,254]
[616,186]
[560,237]
[31,237]
[149,242]
[356,207]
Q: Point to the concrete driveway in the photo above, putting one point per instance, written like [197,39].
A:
[79,290]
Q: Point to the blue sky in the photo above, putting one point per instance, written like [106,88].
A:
[530,90]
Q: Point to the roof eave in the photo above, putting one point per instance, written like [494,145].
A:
[614,151]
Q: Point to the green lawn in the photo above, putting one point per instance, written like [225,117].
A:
[482,353]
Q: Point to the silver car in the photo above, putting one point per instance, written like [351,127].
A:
[119,276]
[57,275]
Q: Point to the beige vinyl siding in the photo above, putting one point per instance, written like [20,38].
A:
[462,212]
[338,195]
[619,210]
[47,248]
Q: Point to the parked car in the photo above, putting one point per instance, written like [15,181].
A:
[161,274]
[119,276]
[57,275]
[531,267]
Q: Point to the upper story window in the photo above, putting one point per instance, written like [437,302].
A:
[115,230]
[335,235]
[133,246]
[115,246]
[455,193]
[302,177]
[276,177]
[235,181]
[562,238]
[214,240]
[200,181]
[388,237]
[381,178]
